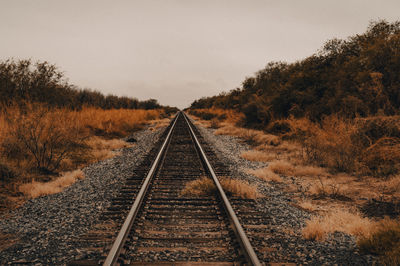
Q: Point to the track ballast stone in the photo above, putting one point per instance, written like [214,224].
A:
[46,226]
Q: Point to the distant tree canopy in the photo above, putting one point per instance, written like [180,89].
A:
[359,76]
[24,81]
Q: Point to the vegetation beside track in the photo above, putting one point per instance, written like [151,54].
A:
[331,121]
[50,128]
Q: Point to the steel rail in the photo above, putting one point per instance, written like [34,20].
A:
[238,229]
[115,250]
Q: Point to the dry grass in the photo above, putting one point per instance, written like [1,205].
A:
[266,174]
[205,186]
[256,137]
[239,188]
[340,220]
[37,189]
[115,122]
[104,148]
[258,156]
[307,170]
[282,168]
[308,205]
[158,123]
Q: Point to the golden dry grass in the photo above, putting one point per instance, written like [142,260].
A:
[205,186]
[308,205]
[282,168]
[158,123]
[265,174]
[37,189]
[340,220]
[104,148]
[115,122]
[258,156]
[239,188]
[257,137]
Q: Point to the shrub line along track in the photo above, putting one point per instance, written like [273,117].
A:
[160,190]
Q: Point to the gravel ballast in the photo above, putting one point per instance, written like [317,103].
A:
[45,226]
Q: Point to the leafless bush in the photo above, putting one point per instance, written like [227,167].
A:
[42,136]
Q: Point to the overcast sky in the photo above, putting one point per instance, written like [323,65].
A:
[176,51]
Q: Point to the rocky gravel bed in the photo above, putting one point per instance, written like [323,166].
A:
[46,226]
[285,241]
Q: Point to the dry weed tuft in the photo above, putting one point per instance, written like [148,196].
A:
[200,187]
[258,156]
[256,137]
[309,171]
[340,220]
[282,168]
[37,189]
[158,123]
[266,174]
[308,205]
[239,188]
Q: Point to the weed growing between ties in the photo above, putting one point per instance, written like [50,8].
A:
[205,186]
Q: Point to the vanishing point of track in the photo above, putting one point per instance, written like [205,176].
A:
[161,221]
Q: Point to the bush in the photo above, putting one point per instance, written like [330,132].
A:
[380,139]
[385,242]
[45,137]
[6,173]
[279,127]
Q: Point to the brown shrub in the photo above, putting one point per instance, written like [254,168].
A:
[42,135]
[366,146]
[384,242]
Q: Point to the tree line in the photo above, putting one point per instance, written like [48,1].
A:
[359,76]
[24,81]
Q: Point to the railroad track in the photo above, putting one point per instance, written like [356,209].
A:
[161,225]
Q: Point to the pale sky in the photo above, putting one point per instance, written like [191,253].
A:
[176,51]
